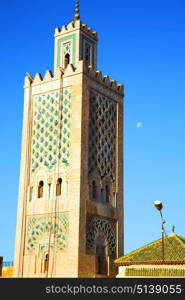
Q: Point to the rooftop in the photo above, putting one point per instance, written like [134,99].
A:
[174,252]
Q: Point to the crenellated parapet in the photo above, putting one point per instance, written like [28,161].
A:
[73,25]
[70,70]
[89,31]
[112,84]
[38,79]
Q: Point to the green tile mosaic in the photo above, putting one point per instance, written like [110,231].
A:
[37,229]
[67,48]
[62,48]
[51,129]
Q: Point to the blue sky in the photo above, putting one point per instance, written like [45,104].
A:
[141,44]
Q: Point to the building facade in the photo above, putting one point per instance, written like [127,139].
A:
[70,207]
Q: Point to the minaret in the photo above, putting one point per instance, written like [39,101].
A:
[70,207]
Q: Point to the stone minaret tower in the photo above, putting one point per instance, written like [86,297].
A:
[70,208]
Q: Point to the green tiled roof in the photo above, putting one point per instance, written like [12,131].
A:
[174,251]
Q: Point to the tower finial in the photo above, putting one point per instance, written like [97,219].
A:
[77,10]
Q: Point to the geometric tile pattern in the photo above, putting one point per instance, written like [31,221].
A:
[174,250]
[67,48]
[51,128]
[97,226]
[102,135]
[47,230]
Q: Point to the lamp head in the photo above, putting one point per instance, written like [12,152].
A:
[158,205]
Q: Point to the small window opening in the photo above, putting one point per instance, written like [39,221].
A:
[87,55]
[49,190]
[102,196]
[66,60]
[40,189]
[107,193]
[58,187]
[94,189]
[87,60]
[46,263]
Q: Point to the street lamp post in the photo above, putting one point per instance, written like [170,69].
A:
[159,206]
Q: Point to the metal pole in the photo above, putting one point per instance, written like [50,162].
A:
[162,233]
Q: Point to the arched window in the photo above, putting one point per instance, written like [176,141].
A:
[102,195]
[107,193]
[87,60]
[94,189]
[46,263]
[88,55]
[66,60]
[40,189]
[59,187]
